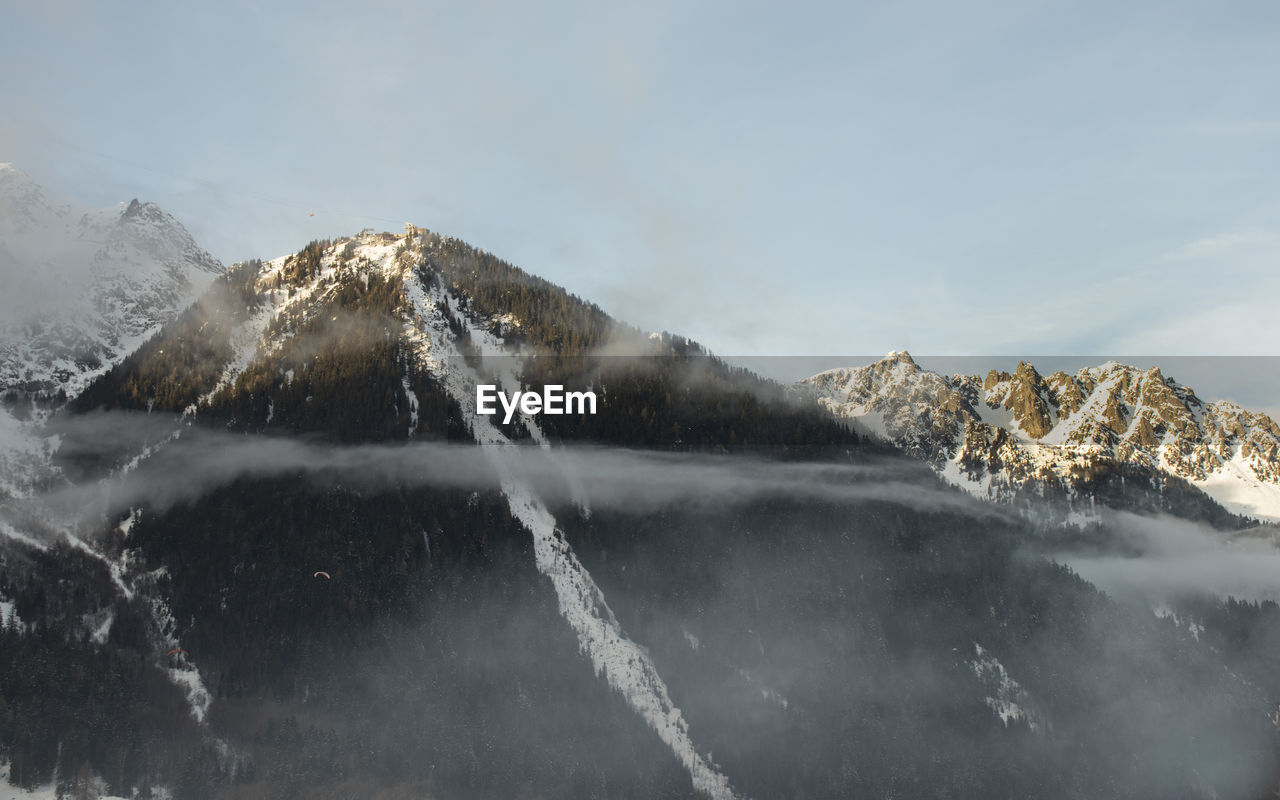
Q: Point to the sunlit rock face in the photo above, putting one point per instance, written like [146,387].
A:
[997,434]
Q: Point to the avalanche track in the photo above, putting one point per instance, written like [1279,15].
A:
[622,662]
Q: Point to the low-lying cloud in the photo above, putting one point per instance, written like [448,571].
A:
[1160,558]
[182,462]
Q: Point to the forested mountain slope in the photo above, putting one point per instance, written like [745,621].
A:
[311,568]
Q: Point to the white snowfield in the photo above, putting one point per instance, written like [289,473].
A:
[1124,415]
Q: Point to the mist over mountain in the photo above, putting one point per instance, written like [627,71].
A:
[85,286]
[274,548]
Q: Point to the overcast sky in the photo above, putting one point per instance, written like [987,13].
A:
[770,179]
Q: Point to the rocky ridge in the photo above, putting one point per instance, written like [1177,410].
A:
[1003,432]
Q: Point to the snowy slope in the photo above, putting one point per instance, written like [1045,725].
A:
[85,286]
[990,435]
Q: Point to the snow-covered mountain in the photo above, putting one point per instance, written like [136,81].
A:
[996,434]
[321,547]
[84,287]
[392,283]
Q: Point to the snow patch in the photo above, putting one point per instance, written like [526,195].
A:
[9,614]
[1009,701]
[413,404]
[50,792]
[955,475]
[188,679]
[1239,490]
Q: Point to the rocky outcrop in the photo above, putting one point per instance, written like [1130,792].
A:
[1024,393]
[919,410]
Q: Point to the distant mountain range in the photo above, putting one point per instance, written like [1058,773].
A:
[998,434]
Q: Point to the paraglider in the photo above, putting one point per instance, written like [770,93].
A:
[322,574]
[177,650]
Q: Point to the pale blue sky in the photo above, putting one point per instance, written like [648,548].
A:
[770,179]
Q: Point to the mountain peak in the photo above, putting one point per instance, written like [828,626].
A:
[85,285]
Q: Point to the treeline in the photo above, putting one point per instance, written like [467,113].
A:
[547,316]
[1246,633]
[304,265]
[1143,490]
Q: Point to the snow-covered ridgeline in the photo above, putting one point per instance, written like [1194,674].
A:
[1025,428]
[623,663]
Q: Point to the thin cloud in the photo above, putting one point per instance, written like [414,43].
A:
[185,462]
[1222,244]
[1166,557]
